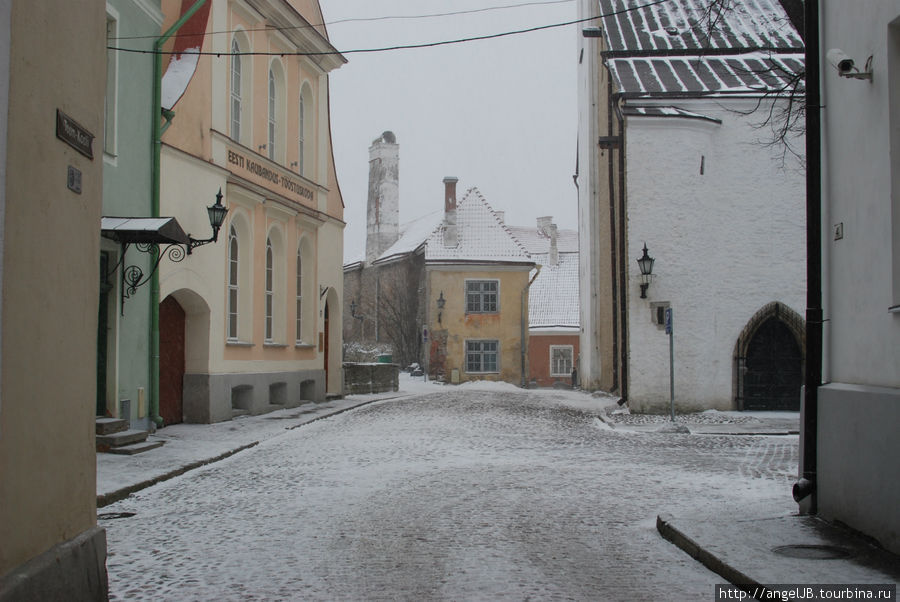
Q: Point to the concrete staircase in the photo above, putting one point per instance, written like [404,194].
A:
[114,437]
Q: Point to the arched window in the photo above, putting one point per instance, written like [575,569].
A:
[236,100]
[233,284]
[301,130]
[270,290]
[299,295]
[306,131]
[273,120]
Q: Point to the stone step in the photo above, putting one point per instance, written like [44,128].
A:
[135,448]
[105,442]
[107,426]
[235,412]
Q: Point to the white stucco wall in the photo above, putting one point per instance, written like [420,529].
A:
[859,409]
[857,192]
[726,243]
[588,181]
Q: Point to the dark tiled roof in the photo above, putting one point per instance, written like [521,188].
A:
[667,49]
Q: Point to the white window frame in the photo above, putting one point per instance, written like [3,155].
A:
[299,297]
[571,359]
[236,89]
[301,116]
[110,105]
[270,292]
[234,278]
[272,114]
[481,293]
[481,353]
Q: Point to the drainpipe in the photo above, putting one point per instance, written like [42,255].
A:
[806,486]
[156,132]
[525,320]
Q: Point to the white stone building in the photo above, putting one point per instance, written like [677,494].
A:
[858,408]
[671,155]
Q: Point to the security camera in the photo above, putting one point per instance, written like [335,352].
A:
[840,61]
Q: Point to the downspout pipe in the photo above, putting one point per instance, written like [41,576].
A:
[156,133]
[806,486]
[524,321]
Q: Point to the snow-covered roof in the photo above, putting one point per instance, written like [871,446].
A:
[664,49]
[482,236]
[412,236]
[553,297]
[536,242]
[662,111]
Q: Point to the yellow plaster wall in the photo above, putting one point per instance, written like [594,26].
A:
[505,326]
[51,248]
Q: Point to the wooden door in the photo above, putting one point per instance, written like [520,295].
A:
[171,360]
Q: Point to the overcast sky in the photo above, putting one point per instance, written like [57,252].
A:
[498,114]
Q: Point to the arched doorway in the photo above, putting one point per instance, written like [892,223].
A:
[769,360]
[171,360]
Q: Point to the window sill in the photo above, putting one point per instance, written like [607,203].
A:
[236,343]
[273,344]
[304,346]
[481,373]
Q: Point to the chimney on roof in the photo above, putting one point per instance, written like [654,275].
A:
[383,206]
[451,235]
[554,250]
[543,225]
[501,215]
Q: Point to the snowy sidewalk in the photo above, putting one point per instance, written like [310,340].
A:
[789,551]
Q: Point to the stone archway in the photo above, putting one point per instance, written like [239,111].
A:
[769,360]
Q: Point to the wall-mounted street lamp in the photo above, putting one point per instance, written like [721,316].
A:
[158,236]
[645,263]
[441,302]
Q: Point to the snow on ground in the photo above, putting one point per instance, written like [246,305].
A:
[481,491]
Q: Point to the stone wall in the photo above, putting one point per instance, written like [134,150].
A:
[371,378]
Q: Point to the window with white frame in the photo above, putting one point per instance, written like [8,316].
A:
[482,296]
[561,360]
[301,132]
[236,83]
[112,86]
[233,284]
[299,295]
[482,356]
[270,290]
[273,114]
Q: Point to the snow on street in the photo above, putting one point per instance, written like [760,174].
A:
[465,493]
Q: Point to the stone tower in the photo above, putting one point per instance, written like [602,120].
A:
[383,210]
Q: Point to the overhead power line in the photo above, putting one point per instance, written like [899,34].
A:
[399,47]
[368,19]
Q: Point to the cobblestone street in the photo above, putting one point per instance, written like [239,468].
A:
[461,495]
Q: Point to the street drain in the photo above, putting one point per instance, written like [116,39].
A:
[115,515]
[813,552]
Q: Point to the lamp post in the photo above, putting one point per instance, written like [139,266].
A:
[440,303]
[645,263]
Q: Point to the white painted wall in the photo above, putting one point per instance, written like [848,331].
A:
[864,337]
[726,243]
[588,362]
[858,411]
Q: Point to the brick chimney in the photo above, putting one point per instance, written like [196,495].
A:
[451,235]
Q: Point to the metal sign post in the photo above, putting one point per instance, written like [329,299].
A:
[669,331]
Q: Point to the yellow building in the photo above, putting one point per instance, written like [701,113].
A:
[51,181]
[259,310]
[476,294]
